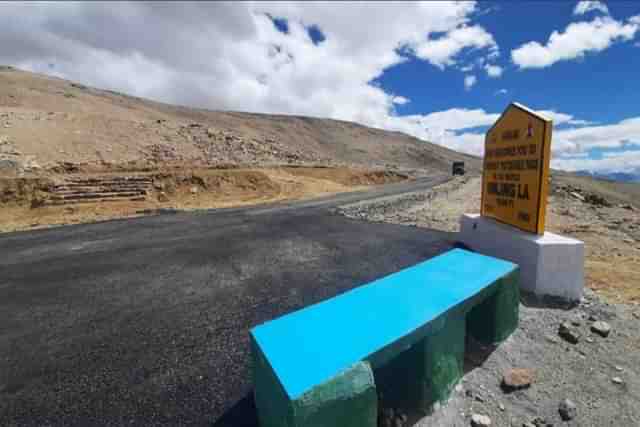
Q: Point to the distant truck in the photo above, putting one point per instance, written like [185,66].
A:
[457,168]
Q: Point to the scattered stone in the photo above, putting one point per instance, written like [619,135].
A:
[552,339]
[8,165]
[617,380]
[193,190]
[597,200]
[618,368]
[162,197]
[577,196]
[589,340]
[501,407]
[567,333]
[539,422]
[567,410]
[516,379]
[478,420]
[601,328]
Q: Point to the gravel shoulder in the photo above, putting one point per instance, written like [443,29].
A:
[599,375]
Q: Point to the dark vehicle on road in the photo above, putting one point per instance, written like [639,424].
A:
[457,168]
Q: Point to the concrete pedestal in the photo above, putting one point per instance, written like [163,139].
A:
[550,265]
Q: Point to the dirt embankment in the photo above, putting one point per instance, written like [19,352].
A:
[27,203]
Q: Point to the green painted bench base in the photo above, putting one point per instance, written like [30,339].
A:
[417,371]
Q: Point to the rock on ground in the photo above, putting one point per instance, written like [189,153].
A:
[601,328]
[567,410]
[478,420]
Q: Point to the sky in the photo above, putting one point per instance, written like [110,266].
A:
[440,71]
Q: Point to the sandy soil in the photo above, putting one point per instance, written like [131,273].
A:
[196,189]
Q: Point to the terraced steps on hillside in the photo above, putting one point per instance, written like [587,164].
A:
[99,189]
[79,201]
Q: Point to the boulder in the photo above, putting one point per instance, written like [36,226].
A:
[478,420]
[601,328]
[569,334]
[567,410]
[516,379]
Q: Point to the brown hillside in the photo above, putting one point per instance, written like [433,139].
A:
[46,121]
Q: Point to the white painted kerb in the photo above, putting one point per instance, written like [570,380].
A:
[549,264]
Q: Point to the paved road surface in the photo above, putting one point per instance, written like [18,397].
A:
[145,321]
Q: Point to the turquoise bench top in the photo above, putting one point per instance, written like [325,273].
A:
[308,347]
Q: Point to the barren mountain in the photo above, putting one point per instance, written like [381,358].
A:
[66,149]
[46,121]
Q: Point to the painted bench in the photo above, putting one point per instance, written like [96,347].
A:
[315,366]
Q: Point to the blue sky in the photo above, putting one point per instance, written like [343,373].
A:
[600,87]
[441,71]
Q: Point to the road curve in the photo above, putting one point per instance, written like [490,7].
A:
[144,321]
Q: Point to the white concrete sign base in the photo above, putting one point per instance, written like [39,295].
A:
[550,265]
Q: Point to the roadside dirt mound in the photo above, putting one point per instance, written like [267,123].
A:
[347,176]
[82,197]
[23,191]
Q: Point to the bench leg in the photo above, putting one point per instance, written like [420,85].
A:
[349,399]
[443,359]
[427,371]
[493,320]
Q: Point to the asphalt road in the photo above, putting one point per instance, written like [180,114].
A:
[145,321]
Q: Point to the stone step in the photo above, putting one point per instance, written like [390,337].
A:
[78,201]
[104,183]
[88,196]
[82,190]
[110,179]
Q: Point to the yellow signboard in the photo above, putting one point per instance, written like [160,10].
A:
[516,169]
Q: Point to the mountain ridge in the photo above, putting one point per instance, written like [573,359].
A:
[47,121]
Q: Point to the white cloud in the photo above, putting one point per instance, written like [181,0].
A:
[578,39]
[578,140]
[622,161]
[587,6]
[237,59]
[442,51]
[452,128]
[469,81]
[493,70]
[501,92]
[400,100]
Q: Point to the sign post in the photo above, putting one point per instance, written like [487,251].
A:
[516,169]
[515,186]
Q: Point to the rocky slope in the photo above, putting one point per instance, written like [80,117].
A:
[50,123]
